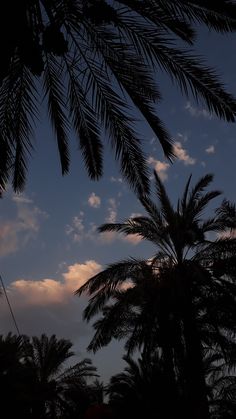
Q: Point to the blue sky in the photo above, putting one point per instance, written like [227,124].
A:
[48,239]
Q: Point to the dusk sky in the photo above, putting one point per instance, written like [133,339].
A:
[48,240]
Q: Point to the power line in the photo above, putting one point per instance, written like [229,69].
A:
[9,305]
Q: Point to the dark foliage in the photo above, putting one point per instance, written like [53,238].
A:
[35,384]
[94,62]
[179,302]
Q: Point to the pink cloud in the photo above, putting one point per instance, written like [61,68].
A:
[52,291]
[182,154]
[94,200]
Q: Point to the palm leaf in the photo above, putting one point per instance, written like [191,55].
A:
[54,90]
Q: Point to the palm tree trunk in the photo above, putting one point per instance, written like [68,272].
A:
[196,390]
[169,369]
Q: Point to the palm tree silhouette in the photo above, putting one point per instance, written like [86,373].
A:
[142,390]
[94,62]
[181,299]
[53,386]
[36,381]
[12,386]
[221,379]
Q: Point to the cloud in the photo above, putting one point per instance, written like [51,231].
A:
[49,305]
[116,179]
[182,154]
[132,238]
[161,167]
[15,233]
[112,211]
[111,236]
[76,229]
[94,200]
[79,231]
[210,149]
[52,291]
[197,113]
[182,137]
[22,199]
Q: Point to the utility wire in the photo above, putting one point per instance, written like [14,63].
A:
[9,305]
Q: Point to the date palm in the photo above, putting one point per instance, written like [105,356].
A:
[142,390]
[94,62]
[221,380]
[12,386]
[53,385]
[180,300]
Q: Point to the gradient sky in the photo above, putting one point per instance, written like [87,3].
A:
[48,239]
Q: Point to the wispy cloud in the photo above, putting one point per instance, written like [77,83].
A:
[182,154]
[79,231]
[76,228]
[22,199]
[196,112]
[210,149]
[116,179]
[94,200]
[111,236]
[16,232]
[112,211]
[161,167]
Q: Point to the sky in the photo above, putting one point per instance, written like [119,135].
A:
[49,244]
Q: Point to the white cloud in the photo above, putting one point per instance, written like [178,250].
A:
[76,229]
[116,179]
[161,167]
[210,149]
[183,138]
[94,200]
[52,291]
[182,154]
[195,112]
[15,233]
[111,236]
[135,214]
[22,199]
[112,211]
[79,231]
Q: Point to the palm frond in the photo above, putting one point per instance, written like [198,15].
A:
[86,127]
[166,207]
[54,91]
[220,15]
[194,77]
[112,277]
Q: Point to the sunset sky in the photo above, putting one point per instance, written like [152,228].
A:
[48,240]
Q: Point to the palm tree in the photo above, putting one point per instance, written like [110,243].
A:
[221,379]
[14,402]
[181,299]
[94,63]
[142,390]
[56,391]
